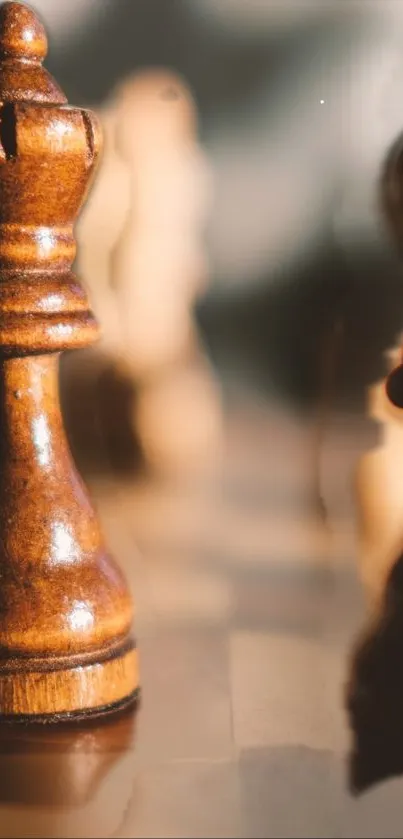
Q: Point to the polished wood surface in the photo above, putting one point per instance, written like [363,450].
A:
[247,610]
[65,609]
[78,756]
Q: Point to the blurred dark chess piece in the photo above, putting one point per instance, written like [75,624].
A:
[375,691]
[65,609]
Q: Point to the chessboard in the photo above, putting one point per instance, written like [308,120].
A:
[247,605]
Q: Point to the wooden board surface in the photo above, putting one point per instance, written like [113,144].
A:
[246,610]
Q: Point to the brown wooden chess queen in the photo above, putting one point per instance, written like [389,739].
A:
[65,610]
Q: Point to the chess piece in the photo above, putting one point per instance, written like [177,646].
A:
[156,268]
[65,610]
[176,413]
[375,686]
[379,484]
[170,189]
[379,492]
[375,690]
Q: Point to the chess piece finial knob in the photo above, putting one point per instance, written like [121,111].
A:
[65,609]
[22,35]
[23,46]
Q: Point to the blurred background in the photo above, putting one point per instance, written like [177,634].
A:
[297,104]
[235,250]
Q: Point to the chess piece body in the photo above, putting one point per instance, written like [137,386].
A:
[375,687]
[65,610]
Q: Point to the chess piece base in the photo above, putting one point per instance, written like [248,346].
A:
[54,689]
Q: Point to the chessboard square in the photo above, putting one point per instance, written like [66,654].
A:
[377,814]
[182,595]
[197,799]
[288,792]
[286,690]
[186,708]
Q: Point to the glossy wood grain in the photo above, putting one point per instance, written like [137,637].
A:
[77,758]
[65,609]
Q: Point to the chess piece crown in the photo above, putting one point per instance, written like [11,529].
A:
[48,153]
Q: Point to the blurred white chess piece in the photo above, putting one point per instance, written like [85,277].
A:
[142,257]
[159,264]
